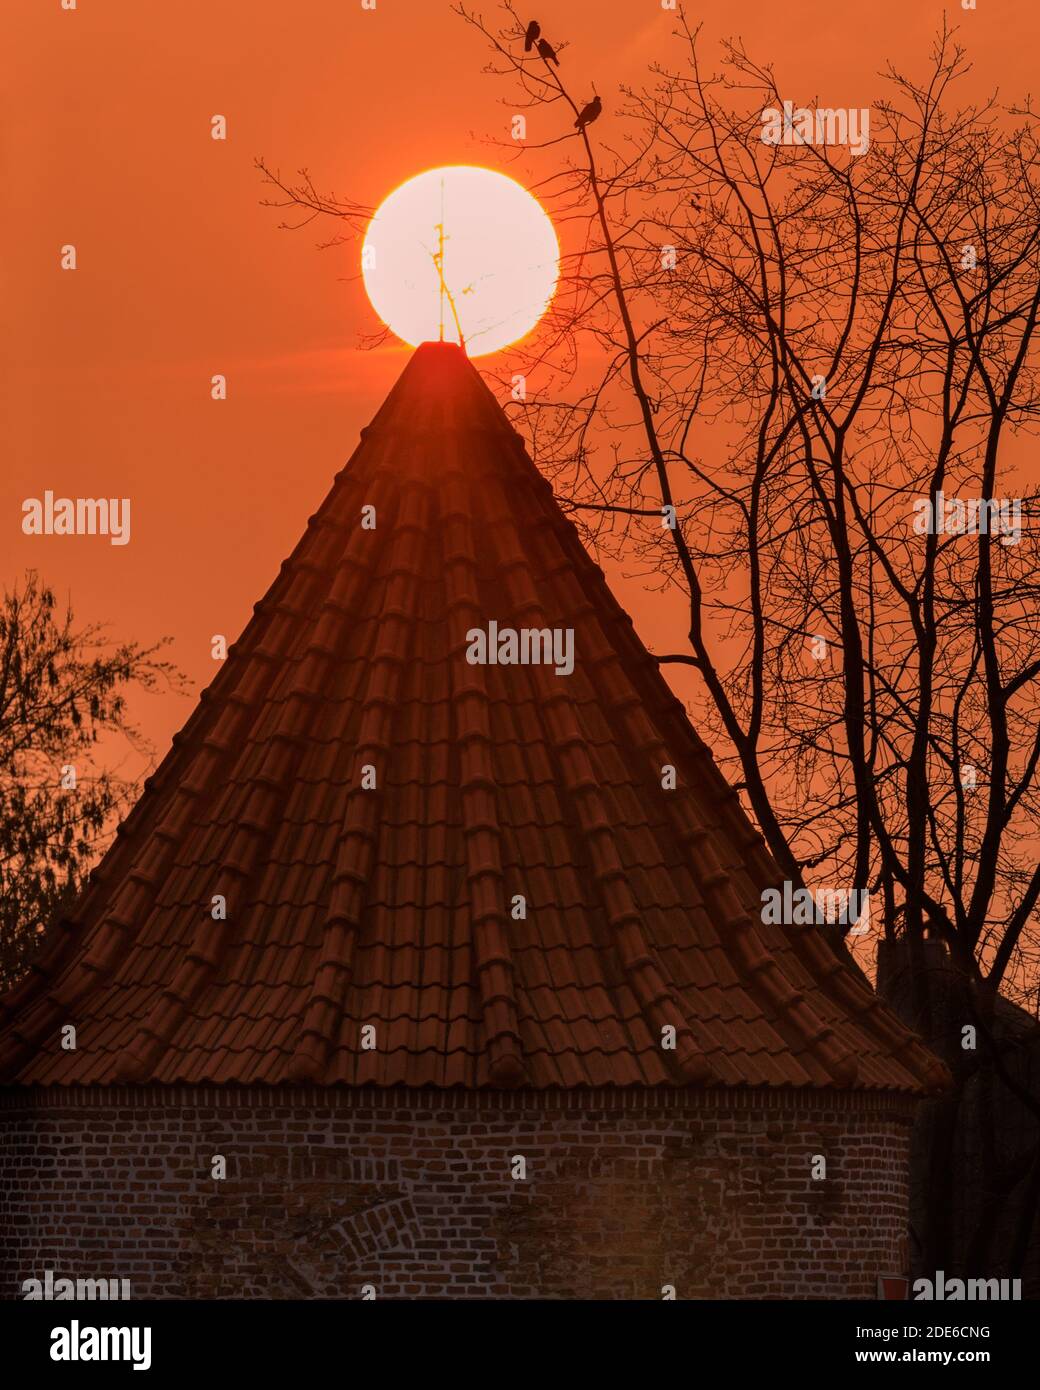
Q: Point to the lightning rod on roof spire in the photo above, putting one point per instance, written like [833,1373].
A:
[445,293]
[440,266]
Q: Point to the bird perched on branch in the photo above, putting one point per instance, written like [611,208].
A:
[533,30]
[548,52]
[589,113]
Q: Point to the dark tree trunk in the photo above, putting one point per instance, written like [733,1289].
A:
[975,1153]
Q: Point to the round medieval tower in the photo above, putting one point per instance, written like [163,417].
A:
[432,960]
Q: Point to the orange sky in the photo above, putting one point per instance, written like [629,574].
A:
[106,145]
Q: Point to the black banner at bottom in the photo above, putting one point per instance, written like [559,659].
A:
[213,1342]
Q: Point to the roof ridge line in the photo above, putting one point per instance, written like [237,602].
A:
[481,825]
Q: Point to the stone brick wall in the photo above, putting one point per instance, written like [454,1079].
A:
[412,1192]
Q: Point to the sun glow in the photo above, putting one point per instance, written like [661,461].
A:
[461,253]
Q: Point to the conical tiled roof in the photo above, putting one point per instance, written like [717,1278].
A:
[395,907]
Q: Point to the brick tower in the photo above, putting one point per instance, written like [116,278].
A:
[431,959]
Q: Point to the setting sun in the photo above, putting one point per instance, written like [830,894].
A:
[461,253]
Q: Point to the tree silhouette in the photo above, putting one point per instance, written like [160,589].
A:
[62,695]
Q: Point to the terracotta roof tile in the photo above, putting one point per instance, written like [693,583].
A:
[394,907]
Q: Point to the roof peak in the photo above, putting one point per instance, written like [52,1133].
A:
[441,345]
[441,395]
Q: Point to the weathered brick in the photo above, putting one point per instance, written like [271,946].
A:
[626,1191]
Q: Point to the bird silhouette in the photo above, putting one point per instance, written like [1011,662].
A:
[548,52]
[533,30]
[588,113]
